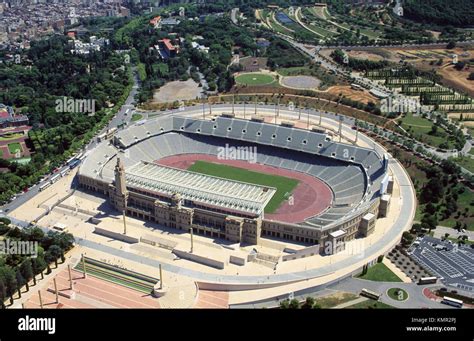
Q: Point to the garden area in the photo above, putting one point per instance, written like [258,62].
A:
[426,131]
[380,273]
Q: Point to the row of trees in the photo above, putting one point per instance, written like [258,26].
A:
[18,270]
[309,303]
[357,64]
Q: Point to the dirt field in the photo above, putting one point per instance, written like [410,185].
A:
[365,55]
[370,55]
[458,79]
[355,95]
[177,91]
[425,54]
[301,82]
[451,77]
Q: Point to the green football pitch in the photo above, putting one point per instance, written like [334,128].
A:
[284,186]
[255,79]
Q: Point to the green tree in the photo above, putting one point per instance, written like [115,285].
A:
[309,303]
[26,270]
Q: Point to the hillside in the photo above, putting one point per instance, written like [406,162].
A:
[441,12]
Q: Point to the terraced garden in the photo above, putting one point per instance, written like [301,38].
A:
[314,23]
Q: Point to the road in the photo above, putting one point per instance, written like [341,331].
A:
[415,300]
[440,231]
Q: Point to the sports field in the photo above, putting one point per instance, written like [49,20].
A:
[283,185]
[254,79]
[14,147]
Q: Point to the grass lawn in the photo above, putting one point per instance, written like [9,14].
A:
[283,185]
[465,200]
[420,128]
[136,117]
[397,294]
[380,273]
[370,304]
[11,136]
[13,147]
[466,162]
[254,79]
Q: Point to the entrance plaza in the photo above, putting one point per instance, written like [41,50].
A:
[226,267]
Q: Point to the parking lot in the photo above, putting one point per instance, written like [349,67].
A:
[453,264]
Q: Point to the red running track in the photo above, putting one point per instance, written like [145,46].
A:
[310,197]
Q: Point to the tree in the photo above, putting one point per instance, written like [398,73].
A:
[460,65]
[26,270]
[294,304]
[429,222]
[309,303]
[3,293]
[20,281]
[7,274]
[451,45]
[53,254]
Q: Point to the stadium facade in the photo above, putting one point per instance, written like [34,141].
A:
[125,170]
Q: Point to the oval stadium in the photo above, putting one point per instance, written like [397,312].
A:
[249,185]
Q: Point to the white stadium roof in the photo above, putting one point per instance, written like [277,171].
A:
[211,190]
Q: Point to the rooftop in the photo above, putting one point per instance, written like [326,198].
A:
[210,190]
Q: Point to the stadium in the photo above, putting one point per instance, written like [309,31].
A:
[242,180]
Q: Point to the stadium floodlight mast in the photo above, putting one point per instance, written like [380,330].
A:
[84,266]
[278,106]
[70,277]
[233,104]
[161,277]
[203,109]
[192,242]
[124,223]
[40,299]
[341,118]
[56,289]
